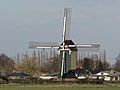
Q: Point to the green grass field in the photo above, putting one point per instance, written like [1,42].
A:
[61,87]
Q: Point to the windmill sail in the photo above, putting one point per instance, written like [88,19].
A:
[67,24]
[33,45]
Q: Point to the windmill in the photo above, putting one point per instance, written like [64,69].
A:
[67,50]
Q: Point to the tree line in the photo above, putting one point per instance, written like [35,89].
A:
[47,62]
[37,63]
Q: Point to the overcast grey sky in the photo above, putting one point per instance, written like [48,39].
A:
[93,21]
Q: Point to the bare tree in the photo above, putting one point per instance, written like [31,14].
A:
[117,63]
[6,64]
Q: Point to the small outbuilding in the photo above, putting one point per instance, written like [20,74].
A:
[110,76]
[18,75]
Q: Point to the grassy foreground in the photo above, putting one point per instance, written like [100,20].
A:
[61,87]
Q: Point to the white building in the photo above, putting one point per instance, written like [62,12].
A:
[111,76]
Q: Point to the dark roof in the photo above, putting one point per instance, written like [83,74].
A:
[70,74]
[19,74]
[70,42]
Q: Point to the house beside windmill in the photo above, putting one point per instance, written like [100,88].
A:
[109,76]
